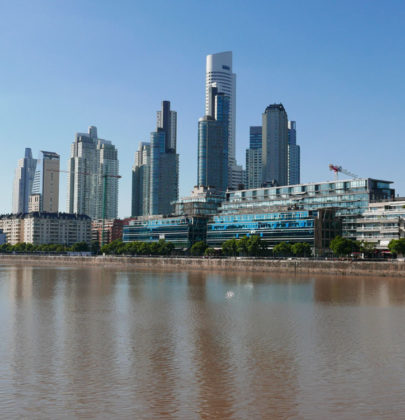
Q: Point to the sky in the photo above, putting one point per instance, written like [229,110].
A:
[337,67]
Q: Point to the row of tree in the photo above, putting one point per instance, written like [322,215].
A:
[54,248]
[118,247]
[252,246]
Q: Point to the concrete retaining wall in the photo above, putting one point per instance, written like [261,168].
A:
[380,268]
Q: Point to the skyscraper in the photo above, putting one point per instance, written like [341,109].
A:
[294,161]
[23,181]
[275,145]
[155,175]
[219,74]
[93,177]
[140,181]
[45,189]
[254,158]
[213,143]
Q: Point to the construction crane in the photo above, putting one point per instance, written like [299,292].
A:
[105,176]
[336,169]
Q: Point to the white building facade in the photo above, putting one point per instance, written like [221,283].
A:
[46,228]
[93,177]
[381,223]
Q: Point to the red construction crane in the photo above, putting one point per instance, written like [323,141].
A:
[336,169]
[105,176]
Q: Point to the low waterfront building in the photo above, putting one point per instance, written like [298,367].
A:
[182,231]
[46,228]
[350,198]
[316,227]
[381,223]
[112,230]
[202,201]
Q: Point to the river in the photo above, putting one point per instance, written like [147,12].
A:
[107,343]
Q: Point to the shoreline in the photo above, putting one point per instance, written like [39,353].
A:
[237,264]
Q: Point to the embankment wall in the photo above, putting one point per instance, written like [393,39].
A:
[302,266]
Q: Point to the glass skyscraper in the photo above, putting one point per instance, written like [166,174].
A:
[294,160]
[155,175]
[23,182]
[212,143]
[254,158]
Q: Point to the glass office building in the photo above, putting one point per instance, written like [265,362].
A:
[314,227]
[350,198]
[182,231]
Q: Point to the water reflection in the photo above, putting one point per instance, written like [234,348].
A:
[123,344]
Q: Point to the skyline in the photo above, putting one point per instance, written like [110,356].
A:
[345,94]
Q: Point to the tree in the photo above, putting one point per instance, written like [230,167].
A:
[367,248]
[397,246]
[80,247]
[256,246]
[209,252]
[343,246]
[301,249]
[230,247]
[243,246]
[95,247]
[198,248]
[283,249]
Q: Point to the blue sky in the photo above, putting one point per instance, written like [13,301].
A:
[337,66]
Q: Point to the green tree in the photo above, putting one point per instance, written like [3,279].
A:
[343,246]
[230,248]
[165,248]
[367,248]
[283,249]
[256,246]
[209,252]
[198,248]
[95,247]
[243,245]
[301,249]
[397,246]
[79,247]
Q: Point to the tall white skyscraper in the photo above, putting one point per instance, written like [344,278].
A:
[93,177]
[219,74]
[23,181]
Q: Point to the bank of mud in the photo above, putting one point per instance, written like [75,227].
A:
[302,266]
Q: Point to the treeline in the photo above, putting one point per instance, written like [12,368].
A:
[118,247]
[252,246]
[54,248]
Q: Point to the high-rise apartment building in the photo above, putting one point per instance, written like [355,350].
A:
[213,143]
[275,145]
[219,74]
[93,177]
[254,158]
[155,175]
[294,159]
[23,181]
[45,189]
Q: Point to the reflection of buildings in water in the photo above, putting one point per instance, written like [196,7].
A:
[360,291]
[20,282]
[232,355]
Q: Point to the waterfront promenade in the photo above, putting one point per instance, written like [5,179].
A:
[385,268]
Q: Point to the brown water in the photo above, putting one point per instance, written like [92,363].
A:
[110,344]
